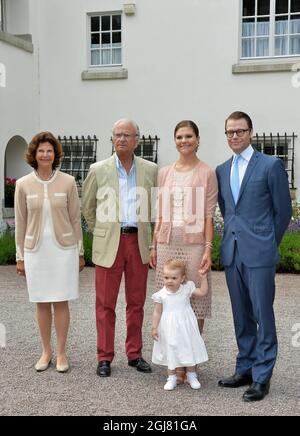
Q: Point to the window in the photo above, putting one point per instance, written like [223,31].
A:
[281,146]
[270,28]
[79,154]
[105,40]
[2,15]
[147,148]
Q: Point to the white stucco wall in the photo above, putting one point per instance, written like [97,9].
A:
[18,109]
[179,57]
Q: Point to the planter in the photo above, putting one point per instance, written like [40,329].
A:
[9,202]
[293,192]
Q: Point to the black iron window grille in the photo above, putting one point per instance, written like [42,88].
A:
[281,146]
[79,154]
[147,148]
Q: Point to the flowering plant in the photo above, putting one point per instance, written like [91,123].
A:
[294,226]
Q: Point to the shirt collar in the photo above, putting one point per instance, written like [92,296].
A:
[119,163]
[246,154]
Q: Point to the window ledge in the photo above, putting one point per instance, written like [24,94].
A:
[105,74]
[271,67]
[16,41]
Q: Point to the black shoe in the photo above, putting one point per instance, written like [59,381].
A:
[236,381]
[103,369]
[140,364]
[256,392]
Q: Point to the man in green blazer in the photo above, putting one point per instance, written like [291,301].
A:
[116,203]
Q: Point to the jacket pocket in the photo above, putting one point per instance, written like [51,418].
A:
[32,201]
[67,235]
[263,230]
[99,232]
[60,199]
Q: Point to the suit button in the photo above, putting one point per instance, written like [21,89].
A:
[233,233]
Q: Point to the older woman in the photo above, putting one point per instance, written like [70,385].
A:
[188,193]
[49,242]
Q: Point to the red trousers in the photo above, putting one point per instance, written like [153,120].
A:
[108,281]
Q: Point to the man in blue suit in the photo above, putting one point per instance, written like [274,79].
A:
[255,203]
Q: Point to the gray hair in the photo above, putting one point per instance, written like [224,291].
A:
[125,120]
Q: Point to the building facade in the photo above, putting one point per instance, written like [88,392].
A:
[75,67]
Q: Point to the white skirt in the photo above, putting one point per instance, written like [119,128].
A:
[52,273]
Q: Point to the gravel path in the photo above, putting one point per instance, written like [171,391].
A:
[128,392]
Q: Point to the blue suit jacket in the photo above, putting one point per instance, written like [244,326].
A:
[262,213]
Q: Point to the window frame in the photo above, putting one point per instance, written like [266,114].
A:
[272,35]
[78,150]
[2,16]
[280,146]
[111,31]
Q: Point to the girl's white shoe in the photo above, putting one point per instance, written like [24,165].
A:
[171,383]
[193,380]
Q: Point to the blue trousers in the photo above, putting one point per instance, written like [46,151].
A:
[252,292]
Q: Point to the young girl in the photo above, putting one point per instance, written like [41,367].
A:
[178,342]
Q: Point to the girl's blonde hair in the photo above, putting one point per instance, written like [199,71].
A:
[176,264]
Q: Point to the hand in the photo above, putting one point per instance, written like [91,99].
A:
[154,334]
[205,264]
[202,276]
[20,268]
[81,263]
[153,258]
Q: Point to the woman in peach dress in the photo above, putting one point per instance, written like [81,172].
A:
[187,198]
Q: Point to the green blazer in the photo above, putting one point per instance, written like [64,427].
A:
[100,207]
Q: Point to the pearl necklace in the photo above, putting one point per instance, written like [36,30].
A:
[45,180]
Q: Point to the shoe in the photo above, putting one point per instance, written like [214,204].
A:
[193,380]
[103,369]
[64,365]
[256,392]
[236,381]
[62,368]
[171,383]
[140,364]
[40,367]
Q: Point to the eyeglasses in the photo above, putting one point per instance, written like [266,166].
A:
[125,135]
[239,133]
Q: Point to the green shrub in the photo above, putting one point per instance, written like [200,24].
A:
[7,249]
[289,251]
[87,243]
[215,254]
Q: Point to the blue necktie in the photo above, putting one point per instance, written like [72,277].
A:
[235,178]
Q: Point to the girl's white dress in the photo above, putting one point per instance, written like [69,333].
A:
[180,343]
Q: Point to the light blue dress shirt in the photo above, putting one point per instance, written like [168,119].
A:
[243,162]
[127,194]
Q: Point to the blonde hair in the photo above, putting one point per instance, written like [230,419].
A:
[176,264]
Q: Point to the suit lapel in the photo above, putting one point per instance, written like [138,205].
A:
[113,180]
[251,165]
[227,179]
[112,175]
[140,172]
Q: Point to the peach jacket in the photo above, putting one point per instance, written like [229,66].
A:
[62,193]
[200,201]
